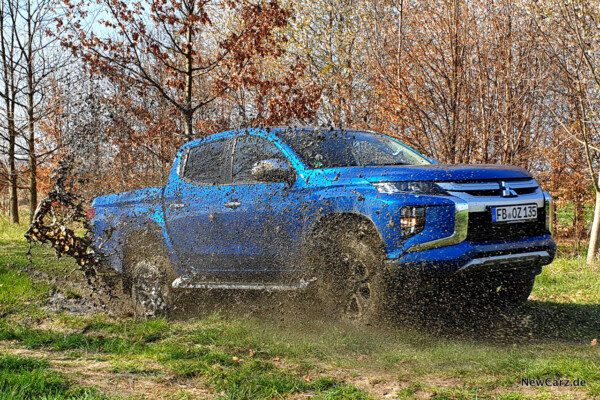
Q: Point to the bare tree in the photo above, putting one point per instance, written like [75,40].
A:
[460,80]
[572,36]
[185,51]
[329,38]
[43,61]
[9,56]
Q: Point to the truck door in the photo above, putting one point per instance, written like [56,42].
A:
[194,203]
[265,224]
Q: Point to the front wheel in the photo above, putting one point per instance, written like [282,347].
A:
[351,281]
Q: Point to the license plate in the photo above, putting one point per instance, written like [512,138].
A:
[522,212]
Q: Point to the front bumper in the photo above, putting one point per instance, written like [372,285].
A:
[507,261]
[527,254]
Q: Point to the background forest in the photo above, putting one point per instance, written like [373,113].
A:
[118,86]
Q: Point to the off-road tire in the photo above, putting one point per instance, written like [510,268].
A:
[150,291]
[148,274]
[351,282]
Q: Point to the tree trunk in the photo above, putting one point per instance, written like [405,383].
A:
[189,83]
[12,167]
[32,161]
[7,46]
[30,119]
[593,246]
[12,172]
[189,125]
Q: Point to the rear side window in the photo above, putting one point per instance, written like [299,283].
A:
[248,151]
[204,163]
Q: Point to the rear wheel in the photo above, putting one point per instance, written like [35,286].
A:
[150,289]
[148,275]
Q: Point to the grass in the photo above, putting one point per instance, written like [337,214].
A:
[18,291]
[10,231]
[226,367]
[31,378]
[569,281]
[269,357]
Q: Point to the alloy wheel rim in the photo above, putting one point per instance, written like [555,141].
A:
[361,293]
[148,291]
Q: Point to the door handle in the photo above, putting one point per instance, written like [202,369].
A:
[177,205]
[233,204]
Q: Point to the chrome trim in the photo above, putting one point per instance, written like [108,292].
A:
[507,190]
[233,204]
[521,184]
[533,258]
[468,187]
[461,224]
[481,203]
[476,186]
[549,207]
[186,283]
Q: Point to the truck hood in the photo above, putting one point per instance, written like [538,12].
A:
[437,172]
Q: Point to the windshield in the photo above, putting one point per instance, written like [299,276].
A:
[331,149]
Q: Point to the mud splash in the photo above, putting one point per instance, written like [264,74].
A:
[53,218]
[60,221]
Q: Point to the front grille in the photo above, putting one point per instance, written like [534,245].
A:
[497,192]
[481,228]
[526,190]
[491,188]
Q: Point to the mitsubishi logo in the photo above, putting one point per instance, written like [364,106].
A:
[506,191]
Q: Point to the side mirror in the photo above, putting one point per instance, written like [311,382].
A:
[273,170]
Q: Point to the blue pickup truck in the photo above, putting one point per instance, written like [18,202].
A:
[353,216]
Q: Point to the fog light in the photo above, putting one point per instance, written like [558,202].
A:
[412,220]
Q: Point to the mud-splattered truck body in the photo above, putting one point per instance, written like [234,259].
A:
[282,208]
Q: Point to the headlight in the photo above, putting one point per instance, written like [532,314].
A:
[409,187]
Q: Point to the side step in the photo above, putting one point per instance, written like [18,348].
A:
[186,283]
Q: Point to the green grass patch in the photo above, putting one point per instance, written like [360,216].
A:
[38,338]
[18,291]
[14,247]
[569,280]
[261,380]
[224,367]
[31,378]
[13,253]
[13,232]
[119,366]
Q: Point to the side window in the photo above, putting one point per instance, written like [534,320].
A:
[204,164]
[248,151]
